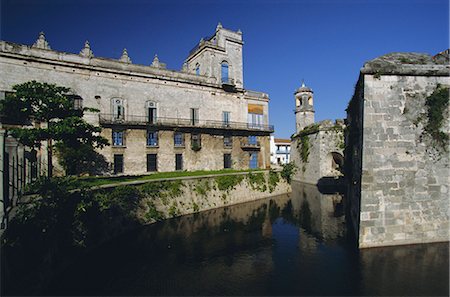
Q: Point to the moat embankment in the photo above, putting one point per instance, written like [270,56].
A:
[52,231]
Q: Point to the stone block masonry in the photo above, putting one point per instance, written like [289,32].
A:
[170,198]
[317,151]
[399,172]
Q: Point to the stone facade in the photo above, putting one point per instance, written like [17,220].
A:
[142,107]
[398,174]
[316,148]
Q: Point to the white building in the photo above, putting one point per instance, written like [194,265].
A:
[280,150]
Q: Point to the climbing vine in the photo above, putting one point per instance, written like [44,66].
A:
[303,146]
[274,178]
[288,171]
[257,181]
[437,111]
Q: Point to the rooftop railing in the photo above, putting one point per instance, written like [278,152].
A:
[136,120]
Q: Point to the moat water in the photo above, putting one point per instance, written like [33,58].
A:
[286,245]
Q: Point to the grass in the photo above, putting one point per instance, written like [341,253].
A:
[92,181]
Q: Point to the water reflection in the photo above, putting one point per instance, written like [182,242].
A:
[286,245]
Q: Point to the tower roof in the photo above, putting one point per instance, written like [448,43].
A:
[303,88]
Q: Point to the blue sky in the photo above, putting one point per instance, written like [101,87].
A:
[323,42]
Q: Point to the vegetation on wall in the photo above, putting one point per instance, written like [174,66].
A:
[163,189]
[437,112]
[228,182]
[202,187]
[153,214]
[288,171]
[303,146]
[274,178]
[257,181]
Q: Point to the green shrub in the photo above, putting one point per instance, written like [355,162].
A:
[273,180]
[288,171]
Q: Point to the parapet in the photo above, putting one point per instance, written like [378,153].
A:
[409,64]
[325,125]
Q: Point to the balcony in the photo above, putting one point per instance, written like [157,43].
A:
[250,146]
[142,122]
[228,84]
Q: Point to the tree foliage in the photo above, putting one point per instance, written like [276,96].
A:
[76,140]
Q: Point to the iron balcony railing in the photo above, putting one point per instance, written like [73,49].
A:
[110,119]
[245,144]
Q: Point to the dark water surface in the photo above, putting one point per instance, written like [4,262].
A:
[285,245]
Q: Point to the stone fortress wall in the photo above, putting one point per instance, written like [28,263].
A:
[317,152]
[398,172]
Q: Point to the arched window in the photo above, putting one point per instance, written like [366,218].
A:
[335,162]
[197,69]
[224,71]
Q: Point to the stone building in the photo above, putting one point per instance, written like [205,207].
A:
[316,148]
[158,119]
[397,150]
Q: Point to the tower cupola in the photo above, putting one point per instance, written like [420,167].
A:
[304,107]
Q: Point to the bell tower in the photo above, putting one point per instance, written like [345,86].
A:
[304,107]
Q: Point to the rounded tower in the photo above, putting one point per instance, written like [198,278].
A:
[304,107]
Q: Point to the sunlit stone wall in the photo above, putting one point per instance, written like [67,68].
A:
[403,173]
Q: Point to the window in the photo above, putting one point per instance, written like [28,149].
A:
[178,162]
[227,141]
[151,112]
[255,120]
[194,116]
[197,69]
[118,109]
[196,142]
[77,101]
[178,139]
[117,138]
[152,138]
[253,160]
[252,140]
[226,118]
[224,68]
[227,161]
[151,162]
[255,116]
[118,164]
